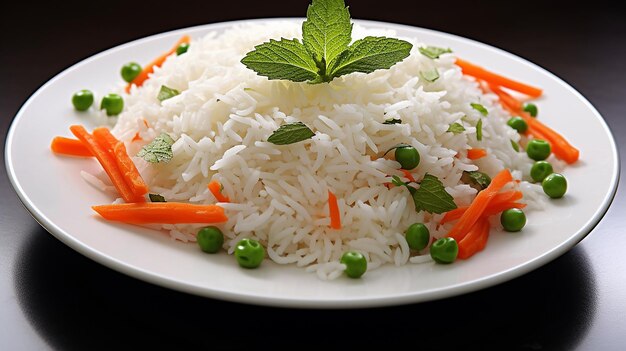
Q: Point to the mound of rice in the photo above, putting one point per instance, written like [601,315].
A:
[279,194]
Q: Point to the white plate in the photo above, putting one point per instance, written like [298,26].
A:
[53,191]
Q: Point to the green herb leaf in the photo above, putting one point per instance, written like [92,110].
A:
[395,180]
[432,196]
[167,93]
[159,150]
[327,31]
[478,180]
[479,130]
[456,128]
[430,76]
[433,52]
[515,146]
[284,59]
[395,147]
[156,198]
[369,54]
[290,133]
[480,108]
[392,121]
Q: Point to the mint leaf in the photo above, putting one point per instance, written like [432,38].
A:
[479,130]
[167,93]
[433,52]
[284,59]
[395,180]
[480,108]
[369,54]
[159,150]
[515,146]
[477,180]
[327,31]
[392,121]
[156,198]
[290,133]
[456,128]
[432,196]
[430,76]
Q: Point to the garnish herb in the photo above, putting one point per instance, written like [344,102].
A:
[480,108]
[290,133]
[433,52]
[431,196]
[167,93]
[515,146]
[456,128]
[479,130]
[478,180]
[159,150]
[156,198]
[430,76]
[392,121]
[324,52]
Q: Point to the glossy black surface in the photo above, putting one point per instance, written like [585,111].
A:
[52,297]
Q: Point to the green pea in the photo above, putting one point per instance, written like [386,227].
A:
[113,104]
[513,219]
[444,250]
[554,185]
[531,109]
[540,170]
[518,124]
[82,100]
[417,236]
[249,253]
[538,149]
[130,71]
[182,48]
[210,239]
[356,264]
[408,157]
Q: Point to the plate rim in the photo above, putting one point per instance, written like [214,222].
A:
[404,298]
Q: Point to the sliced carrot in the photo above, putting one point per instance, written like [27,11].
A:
[475,154]
[71,147]
[162,212]
[407,175]
[478,206]
[333,207]
[475,240]
[137,137]
[505,197]
[126,166]
[478,72]
[149,69]
[505,97]
[107,162]
[216,189]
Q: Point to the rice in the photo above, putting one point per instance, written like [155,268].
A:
[225,113]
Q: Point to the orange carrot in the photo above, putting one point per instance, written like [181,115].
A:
[407,175]
[107,162]
[216,189]
[475,240]
[137,137]
[478,206]
[505,197]
[506,98]
[475,154]
[126,166]
[478,72]
[71,147]
[333,207]
[162,212]
[149,69]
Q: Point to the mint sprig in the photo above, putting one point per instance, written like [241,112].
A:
[325,53]
[159,150]
[290,133]
[432,196]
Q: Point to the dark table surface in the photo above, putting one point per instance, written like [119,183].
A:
[52,297]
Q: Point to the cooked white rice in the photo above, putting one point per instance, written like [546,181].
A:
[279,194]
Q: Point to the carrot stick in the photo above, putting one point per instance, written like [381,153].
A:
[478,206]
[333,207]
[216,189]
[149,69]
[478,72]
[506,197]
[126,166]
[107,162]
[137,137]
[506,98]
[475,154]
[475,240]
[407,175]
[162,212]
[71,147]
